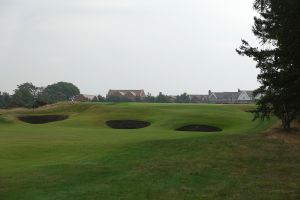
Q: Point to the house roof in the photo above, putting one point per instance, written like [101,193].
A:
[231,95]
[91,97]
[249,93]
[226,95]
[86,96]
[197,96]
[124,92]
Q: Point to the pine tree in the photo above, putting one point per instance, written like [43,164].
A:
[278,29]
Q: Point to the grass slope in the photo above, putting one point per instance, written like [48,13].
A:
[82,158]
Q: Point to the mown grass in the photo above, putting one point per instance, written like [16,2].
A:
[81,158]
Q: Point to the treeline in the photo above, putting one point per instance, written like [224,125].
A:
[30,96]
[160,98]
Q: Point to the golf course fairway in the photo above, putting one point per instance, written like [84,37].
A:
[82,158]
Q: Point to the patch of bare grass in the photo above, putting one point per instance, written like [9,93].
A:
[291,137]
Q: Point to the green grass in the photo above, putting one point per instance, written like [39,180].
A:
[81,158]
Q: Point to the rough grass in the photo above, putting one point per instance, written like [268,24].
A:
[82,158]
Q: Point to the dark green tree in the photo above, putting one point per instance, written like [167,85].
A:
[149,98]
[60,91]
[161,98]
[183,98]
[95,99]
[5,100]
[278,29]
[101,98]
[25,95]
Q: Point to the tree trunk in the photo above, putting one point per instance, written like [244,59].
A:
[286,123]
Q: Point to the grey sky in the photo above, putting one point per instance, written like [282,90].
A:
[173,46]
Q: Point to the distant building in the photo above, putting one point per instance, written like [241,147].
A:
[172,98]
[198,98]
[84,97]
[127,95]
[241,96]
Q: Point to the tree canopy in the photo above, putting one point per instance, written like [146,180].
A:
[61,91]
[162,98]
[31,96]
[5,100]
[183,98]
[278,29]
[24,95]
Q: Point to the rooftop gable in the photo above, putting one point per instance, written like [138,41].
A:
[124,92]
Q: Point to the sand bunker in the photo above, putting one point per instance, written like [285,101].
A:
[199,128]
[127,124]
[42,119]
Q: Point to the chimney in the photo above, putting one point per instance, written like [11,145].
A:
[209,92]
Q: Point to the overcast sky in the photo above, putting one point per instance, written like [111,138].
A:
[173,46]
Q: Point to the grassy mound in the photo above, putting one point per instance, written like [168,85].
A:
[83,158]
[4,120]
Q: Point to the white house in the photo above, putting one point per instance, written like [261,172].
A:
[241,96]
